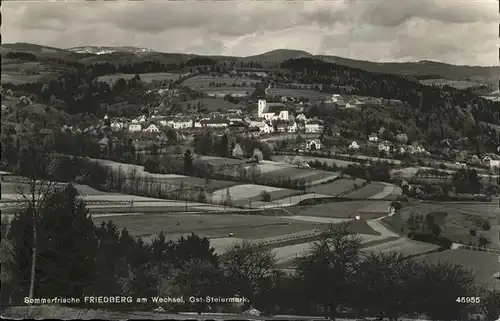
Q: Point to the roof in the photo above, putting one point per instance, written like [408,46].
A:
[214,121]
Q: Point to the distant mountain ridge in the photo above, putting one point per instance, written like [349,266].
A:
[271,59]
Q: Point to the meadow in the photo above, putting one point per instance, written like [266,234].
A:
[307,93]
[207,225]
[224,81]
[482,264]
[461,217]
[147,77]
[375,190]
[337,187]
[346,209]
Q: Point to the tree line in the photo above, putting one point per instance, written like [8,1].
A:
[77,257]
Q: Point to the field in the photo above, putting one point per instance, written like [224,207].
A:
[337,187]
[212,104]
[224,81]
[147,77]
[460,219]
[220,161]
[22,72]
[312,177]
[375,191]
[206,225]
[329,161]
[250,192]
[347,209]
[16,187]
[170,181]
[307,93]
[482,264]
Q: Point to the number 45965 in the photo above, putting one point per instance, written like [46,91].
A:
[468,299]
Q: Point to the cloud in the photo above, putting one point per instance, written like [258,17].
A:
[462,32]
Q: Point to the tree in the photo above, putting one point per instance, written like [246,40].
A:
[328,272]
[257,155]
[383,284]
[483,241]
[490,305]
[66,246]
[237,151]
[249,270]
[37,164]
[188,161]
[448,282]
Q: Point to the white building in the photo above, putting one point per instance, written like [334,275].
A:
[264,111]
[181,123]
[301,117]
[313,144]
[152,129]
[354,145]
[384,148]
[215,123]
[373,137]
[116,125]
[263,126]
[313,127]
[292,127]
[135,128]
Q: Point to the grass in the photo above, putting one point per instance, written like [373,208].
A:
[203,81]
[336,187]
[347,209]
[146,77]
[277,195]
[250,191]
[460,219]
[296,92]
[482,264]
[366,192]
[299,173]
[248,226]
[212,104]
[14,188]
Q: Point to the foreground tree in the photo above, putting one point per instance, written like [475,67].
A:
[490,305]
[66,246]
[249,270]
[384,284]
[37,164]
[328,273]
[439,286]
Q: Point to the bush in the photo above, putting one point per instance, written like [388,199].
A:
[486,226]
[265,196]
[431,238]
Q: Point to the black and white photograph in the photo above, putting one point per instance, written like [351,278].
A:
[250,160]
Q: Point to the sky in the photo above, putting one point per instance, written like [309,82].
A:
[453,31]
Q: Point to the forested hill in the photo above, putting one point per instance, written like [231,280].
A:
[443,110]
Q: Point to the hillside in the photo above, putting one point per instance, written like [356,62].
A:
[271,59]
[277,56]
[100,50]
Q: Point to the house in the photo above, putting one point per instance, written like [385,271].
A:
[292,127]
[281,128]
[382,147]
[373,137]
[215,122]
[152,129]
[67,129]
[354,145]
[141,119]
[263,126]
[313,126]
[181,123]
[116,125]
[313,144]
[135,128]
[301,118]
[271,112]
